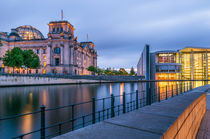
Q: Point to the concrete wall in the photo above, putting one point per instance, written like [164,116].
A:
[188,123]
[22,81]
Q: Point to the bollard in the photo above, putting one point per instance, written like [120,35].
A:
[137,99]
[124,103]
[42,122]
[166,92]
[112,106]
[93,111]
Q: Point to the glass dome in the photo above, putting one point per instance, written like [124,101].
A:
[29,33]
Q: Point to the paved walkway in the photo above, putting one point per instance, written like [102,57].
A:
[204,130]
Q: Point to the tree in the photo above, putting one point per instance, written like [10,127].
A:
[92,69]
[132,72]
[35,63]
[14,58]
[17,58]
[31,60]
[123,71]
[108,71]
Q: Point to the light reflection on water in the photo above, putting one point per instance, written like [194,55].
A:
[18,100]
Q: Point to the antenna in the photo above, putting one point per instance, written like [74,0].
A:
[62,14]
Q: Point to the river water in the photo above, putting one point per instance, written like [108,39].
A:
[20,100]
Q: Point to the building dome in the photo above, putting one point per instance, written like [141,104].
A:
[29,33]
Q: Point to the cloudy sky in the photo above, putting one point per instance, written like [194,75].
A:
[119,28]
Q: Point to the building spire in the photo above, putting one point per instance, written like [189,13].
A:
[61,14]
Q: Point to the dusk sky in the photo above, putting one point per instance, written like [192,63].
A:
[119,28]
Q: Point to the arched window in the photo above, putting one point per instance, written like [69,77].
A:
[57,50]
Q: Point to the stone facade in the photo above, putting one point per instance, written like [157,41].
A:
[60,53]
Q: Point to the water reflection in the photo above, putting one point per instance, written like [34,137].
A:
[18,100]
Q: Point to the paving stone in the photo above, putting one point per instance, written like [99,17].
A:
[105,131]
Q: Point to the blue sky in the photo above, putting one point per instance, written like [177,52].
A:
[119,28]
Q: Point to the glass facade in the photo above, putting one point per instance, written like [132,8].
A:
[29,33]
[167,65]
[196,64]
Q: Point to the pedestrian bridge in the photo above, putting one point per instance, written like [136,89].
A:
[177,117]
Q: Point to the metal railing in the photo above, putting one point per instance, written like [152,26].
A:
[126,102]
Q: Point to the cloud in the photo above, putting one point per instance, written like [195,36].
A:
[119,28]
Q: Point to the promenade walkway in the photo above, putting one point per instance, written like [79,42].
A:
[204,130]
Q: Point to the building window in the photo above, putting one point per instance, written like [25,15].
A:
[57,29]
[44,71]
[53,29]
[44,51]
[37,51]
[44,57]
[61,29]
[57,61]
[45,64]
[57,50]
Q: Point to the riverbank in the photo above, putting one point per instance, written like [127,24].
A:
[13,80]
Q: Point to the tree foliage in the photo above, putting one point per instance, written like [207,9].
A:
[109,71]
[17,58]
[132,72]
[13,58]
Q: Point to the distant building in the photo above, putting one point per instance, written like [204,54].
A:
[59,53]
[190,63]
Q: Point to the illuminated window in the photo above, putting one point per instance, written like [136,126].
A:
[45,64]
[44,57]
[43,71]
[2,65]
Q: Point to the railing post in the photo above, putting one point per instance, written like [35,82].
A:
[177,89]
[42,122]
[158,93]
[166,92]
[190,85]
[124,103]
[172,91]
[93,111]
[72,113]
[137,99]
[180,87]
[112,105]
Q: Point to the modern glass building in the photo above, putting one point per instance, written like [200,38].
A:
[190,63]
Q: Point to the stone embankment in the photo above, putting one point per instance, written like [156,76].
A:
[177,117]
[24,80]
